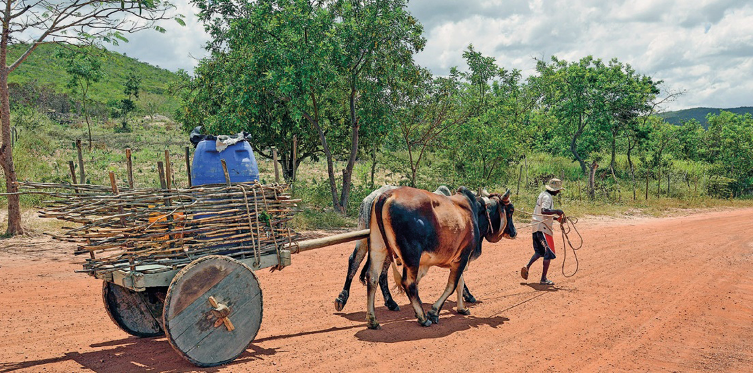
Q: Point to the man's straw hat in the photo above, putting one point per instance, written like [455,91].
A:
[554,185]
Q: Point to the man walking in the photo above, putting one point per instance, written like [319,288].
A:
[543,219]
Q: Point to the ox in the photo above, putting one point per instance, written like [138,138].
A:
[418,229]
[362,247]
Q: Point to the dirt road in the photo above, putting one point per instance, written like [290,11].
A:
[671,294]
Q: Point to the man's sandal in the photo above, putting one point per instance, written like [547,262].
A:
[546,282]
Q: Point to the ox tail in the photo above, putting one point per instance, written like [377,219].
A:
[365,270]
[398,278]
[377,206]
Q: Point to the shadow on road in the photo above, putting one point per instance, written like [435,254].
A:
[132,354]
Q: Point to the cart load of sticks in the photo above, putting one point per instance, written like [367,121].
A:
[169,227]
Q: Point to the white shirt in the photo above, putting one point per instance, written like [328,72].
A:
[543,223]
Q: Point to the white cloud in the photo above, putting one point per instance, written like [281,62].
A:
[704,47]
[178,48]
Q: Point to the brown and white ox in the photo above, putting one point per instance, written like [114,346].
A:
[362,248]
[419,229]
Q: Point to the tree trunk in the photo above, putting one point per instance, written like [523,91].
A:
[591,180]
[6,151]
[88,126]
[373,164]
[348,171]
[614,146]
[330,166]
[632,169]
[520,176]
[574,147]
[646,185]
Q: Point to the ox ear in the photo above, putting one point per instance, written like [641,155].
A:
[485,193]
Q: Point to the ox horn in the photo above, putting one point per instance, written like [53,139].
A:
[507,194]
[485,193]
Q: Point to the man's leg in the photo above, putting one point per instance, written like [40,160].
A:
[547,259]
[524,270]
[538,250]
[543,273]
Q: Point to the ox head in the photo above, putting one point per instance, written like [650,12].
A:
[500,217]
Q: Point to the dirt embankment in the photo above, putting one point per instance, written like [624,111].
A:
[671,294]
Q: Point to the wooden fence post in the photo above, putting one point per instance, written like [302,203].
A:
[188,166]
[277,167]
[295,153]
[72,166]
[129,166]
[161,171]
[168,170]
[82,174]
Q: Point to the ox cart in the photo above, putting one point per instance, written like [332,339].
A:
[210,310]
[181,262]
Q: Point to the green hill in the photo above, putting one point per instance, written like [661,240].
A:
[699,114]
[42,68]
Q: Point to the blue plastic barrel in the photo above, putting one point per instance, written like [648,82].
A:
[207,168]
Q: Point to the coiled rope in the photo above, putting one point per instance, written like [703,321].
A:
[566,227]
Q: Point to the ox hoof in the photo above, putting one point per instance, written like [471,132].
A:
[433,317]
[391,305]
[341,300]
[464,311]
[372,323]
[469,299]
[426,322]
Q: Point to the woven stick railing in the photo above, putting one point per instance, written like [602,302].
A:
[168,227]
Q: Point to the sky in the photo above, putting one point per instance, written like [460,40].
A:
[703,48]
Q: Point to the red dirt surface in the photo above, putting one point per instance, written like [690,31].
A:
[670,294]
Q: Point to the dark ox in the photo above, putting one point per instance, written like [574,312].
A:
[419,229]
[362,248]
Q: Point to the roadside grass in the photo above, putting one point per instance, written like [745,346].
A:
[45,148]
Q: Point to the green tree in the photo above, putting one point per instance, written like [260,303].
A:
[424,110]
[627,97]
[84,65]
[37,22]
[315,63]
[730,139]
[690,136]
[131,88]
[662,142]
[495,130]
[574,95]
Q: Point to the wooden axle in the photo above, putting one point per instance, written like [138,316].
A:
[328,241]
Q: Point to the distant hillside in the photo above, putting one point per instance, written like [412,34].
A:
[44,69]
[699,114]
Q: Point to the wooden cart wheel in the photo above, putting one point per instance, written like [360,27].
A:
[136,313]
[213,310]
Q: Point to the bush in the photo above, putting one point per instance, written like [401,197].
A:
[720,187]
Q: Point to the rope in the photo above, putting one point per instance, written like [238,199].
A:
[566,228]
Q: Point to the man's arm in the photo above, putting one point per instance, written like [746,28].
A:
[552,212]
